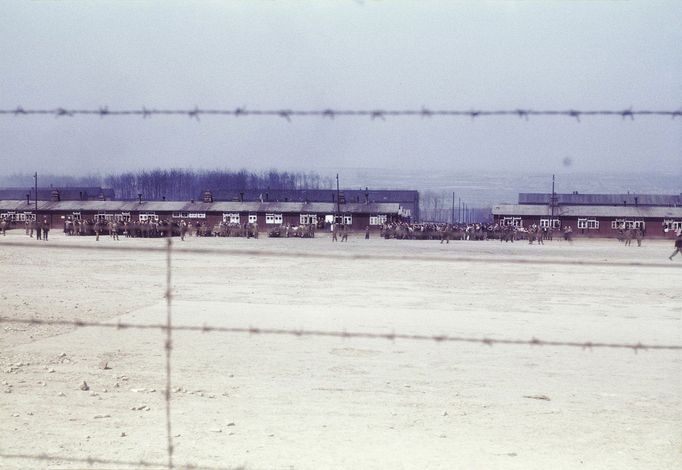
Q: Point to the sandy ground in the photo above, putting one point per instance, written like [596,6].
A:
[286,402]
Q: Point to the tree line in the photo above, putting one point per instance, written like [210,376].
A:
[178,184]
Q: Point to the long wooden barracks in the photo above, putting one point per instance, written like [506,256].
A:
[595,215]
[266,214]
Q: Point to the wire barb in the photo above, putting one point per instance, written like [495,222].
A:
[330,113]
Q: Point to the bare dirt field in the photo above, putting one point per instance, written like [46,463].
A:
[261,401]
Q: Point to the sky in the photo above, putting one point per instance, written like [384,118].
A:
[341,54]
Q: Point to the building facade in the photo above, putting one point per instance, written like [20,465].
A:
[595,215]
[266,214]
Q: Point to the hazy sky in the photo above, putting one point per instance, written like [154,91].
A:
[342,54]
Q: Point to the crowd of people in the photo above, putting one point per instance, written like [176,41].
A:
[393,230]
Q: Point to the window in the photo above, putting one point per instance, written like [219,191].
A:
[379,219]
[27,216]
[556,223]
[253,218]
[625,223]
[196,215]
[231,218]
[122,217]
[329,219]
[145,216]
[180,215]
[273,219]
[103,216]
[588,223]
[515,221]
[76,215]
[670,224]
[348,220]
[308,219]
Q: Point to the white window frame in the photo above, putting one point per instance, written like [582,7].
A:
[308,219]
[274,219]
[122,217]
[556,223]
[145,216]
[10,215]
[379,219]
[28,216]
[231,217]
[196,215]
[639,224]
[180,215]
[253,218]
[347,219]
[103,216]
[589,224]
[514,221]
[329,219]
[76,216]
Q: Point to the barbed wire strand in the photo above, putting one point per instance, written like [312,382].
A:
[97,460]
[169,348]
[445,258]
[252,330]
[330,113]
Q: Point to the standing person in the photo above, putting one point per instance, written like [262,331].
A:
[639,235]
[32,226]
[39,230]
[344,233]
[367,233]
[3,226]
[333,229]
[183,230]
[46,229]
[28,224]
[678,245]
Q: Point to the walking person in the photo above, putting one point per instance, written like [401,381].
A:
[39,230]
[678,245]
[46,229]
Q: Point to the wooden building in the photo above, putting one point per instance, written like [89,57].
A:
[356,216]
[595,215]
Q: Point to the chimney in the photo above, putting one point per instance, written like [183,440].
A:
[267,197]
[207,196]
[163,198]
[636,201]
[55,195]
[80,195]
[139,198]
[28,199]
[366,196]
[241,196]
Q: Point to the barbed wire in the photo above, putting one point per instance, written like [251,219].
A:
[168,348]
[445,258]
[96,460]
[330,113]
[252,330]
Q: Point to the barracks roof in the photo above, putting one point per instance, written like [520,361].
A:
[532,210]
[577,199]
[180,206]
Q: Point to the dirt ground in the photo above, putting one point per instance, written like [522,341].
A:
[260,401]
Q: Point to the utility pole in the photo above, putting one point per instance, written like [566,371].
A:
[35,178]
[452,217]
[459,210]
[552,202]
[338,203]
